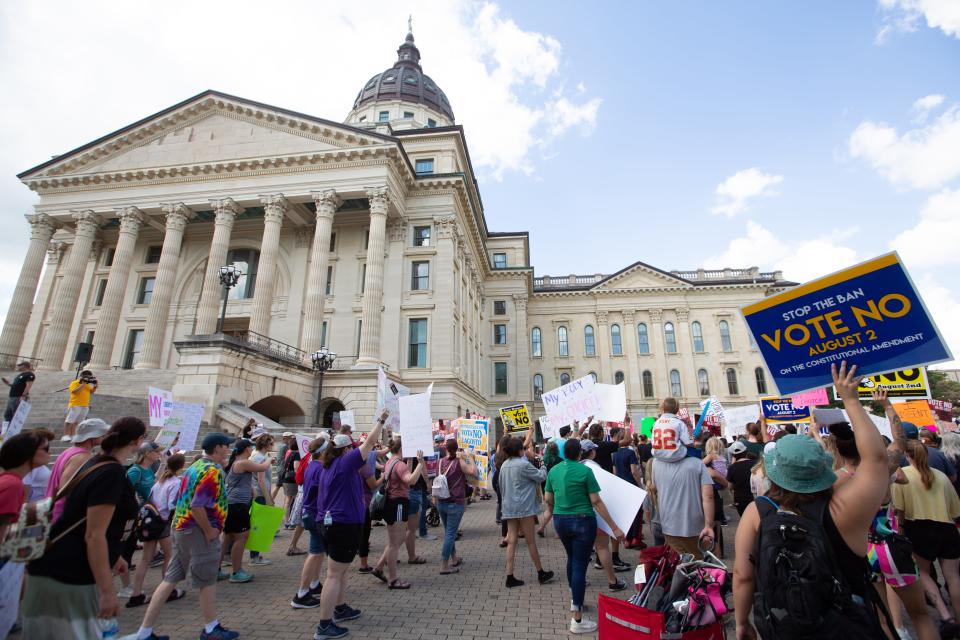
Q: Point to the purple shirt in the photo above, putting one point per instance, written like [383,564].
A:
[368,470]
[341,490]
[456,480]
[311,487]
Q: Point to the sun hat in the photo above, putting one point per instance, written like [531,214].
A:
[799,464]
[737,448]
[89,429]
[342,440]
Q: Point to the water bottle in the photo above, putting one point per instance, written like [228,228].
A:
[109,628]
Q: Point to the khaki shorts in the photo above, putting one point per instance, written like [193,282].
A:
[195,556]
[77,414]
[685,545]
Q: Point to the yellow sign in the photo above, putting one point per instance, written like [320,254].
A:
[516,419]
[474,436]
[904,384]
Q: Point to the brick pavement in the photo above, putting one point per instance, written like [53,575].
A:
[468,605]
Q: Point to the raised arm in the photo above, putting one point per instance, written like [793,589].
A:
[896,423]
[371,440]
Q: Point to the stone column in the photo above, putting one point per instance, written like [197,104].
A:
[369,355]
[159,310]
[58,332]
[130,220]
[524,377]
[327,204]
[42,227]
[602,344]
[631,370]
[441,355]
[688,372]
[393,344]
[275,207]
[661,373]
[209,306]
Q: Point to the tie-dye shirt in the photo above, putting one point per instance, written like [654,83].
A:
[202,486]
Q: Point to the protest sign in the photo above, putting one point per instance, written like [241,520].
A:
[346,417]
[870,315]
[613,401]
[826,417]
[546,428]
[388,393]
[303,443]
[622,499]
[166,437]
[815,398]
[159,405]
[915,411]
[516,419]
[185,418]
[646,426]
[906,384]
[782,411]
[474,436]
[11,582]
[264,523]
[18,420]
[736,419]
[942,409]
[572,402]
[416,425]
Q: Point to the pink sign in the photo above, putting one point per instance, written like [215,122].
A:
[815,398]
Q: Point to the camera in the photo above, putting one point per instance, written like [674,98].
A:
[89,379]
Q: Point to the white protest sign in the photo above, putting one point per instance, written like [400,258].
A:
[303,443]
[826,417]
[622,499]
[736,419]
[572,402]
[166,437]
[11,580]
[388,394]
[159,405]
[346,417]
[613,401]
[416,425]
[19,419]
[546,428]
[185,418]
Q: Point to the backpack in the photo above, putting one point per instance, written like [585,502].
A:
[800,592]
[440,487]
[378,502]
[288,470]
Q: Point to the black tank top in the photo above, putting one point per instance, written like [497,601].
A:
[853,568]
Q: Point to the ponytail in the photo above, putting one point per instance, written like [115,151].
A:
[174,464]
[918,458]
[241,445]
[123,432]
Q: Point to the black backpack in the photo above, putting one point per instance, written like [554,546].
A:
[800,592]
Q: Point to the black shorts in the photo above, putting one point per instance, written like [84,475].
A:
[933,540]
[238,518]
[396,510]
[342,541]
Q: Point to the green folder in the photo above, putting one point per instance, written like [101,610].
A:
[264,524]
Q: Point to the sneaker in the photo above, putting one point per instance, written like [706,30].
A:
[330,631]
[543,577]
[584,626]
[306,602]
[223,575]
[126,592]
[152,636]
[157,559]
[317,591]
[260,561]
[137,601]
[239,577]
[619,585]
[428,536]
[597,565]
[513,582]
[219,632]
[620,568]
[345,612]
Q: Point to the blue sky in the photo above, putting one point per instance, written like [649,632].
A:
[605,130]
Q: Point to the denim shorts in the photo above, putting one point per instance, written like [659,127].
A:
[316,540]
[416,501]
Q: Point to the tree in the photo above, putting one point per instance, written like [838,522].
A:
[943,388]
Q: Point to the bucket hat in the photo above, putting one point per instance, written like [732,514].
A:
[799,464]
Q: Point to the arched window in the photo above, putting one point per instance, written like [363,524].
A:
[643,338]
[697,332]
[246,261]
[725,342]
[647,379]
[563,347]
[537,386]
[564,379]
[704,382]
[535,342]
[732,385]
[616,344]
[594,376]
[618,377]
[589,342]
[675,390]
[670,336]
[761,381]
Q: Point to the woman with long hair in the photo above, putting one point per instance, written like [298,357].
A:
[241,471]
[457,466]
[71,586]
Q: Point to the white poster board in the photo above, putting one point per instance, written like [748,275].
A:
[11,579]
[613,401]
[826,417]
[185,418]
[166,437]
[622,499]
[547,429]
[346,417]
[159,405]
[19,419]
[388,394]
[574,401]
[735,419]
[416,424]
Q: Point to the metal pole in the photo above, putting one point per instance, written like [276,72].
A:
[223,312]
[319,400]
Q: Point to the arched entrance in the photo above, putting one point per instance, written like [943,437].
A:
[276,407]
[329,407]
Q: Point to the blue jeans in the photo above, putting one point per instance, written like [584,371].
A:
[451,514]
[577,533]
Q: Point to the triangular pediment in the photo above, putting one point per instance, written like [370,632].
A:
[209,128]
[640,276]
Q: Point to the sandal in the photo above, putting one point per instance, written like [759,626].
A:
[365,570]
[378,574]
[448,572]
[456,564]
[399,584]
[296,551]
[176,594]
[137,601]
[503,543]
[417,560]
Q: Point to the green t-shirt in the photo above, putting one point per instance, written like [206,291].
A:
[571,484]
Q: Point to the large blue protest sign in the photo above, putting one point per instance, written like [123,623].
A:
[869,315]
[782,411]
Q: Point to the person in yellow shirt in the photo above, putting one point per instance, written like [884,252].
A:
[79,404]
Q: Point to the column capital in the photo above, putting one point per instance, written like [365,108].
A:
[274,207]
[656,315]
[602,318]
[379,198]
[177,215]
[226,210]
[42,226]
[88,222]
[327,202]
[55,252]
[445,226]
[520,301]
[682,314]
[130,219]
[628,317]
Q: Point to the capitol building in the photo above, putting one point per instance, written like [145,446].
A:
[367,237]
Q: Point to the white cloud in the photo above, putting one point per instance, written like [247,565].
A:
[932,242]
[922,158]
[903,16]
[944,307]
[923,106]
[567,115]
[736,191]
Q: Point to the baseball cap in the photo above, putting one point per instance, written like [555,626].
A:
[213,440]
[588,445]
[342,440]
[89,429]
[911,431]
[737,448]
[287,434]
[438,437]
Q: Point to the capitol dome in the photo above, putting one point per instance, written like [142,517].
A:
[402,95]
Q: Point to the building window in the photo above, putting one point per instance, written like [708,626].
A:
[363,118]
[537,386]
[647,379]
[108,257]
[643,338]
[725,342]
[500,378]
[153,255]
[420,276]
[675,390]
[384,116]
[535,342]
[407,115]
[424,166]
[134,345]
[564,378]
[359,335]
[363,278]
[732,385]
[761,381]
[704,382]
[499,307]
[333,242]
[589,343]
[101,289]
[697,332]
[89,338]
[431,123]
[421,236]
[417,356]
[563,347]
[753,343]
[145,294]
[594,376]
[616,344]
[246,260]
[670,336]
[618,377]
[499,334]
[499,261]
[323,334]
[328,288]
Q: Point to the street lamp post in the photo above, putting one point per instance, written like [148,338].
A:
[229,277]
[322,360]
